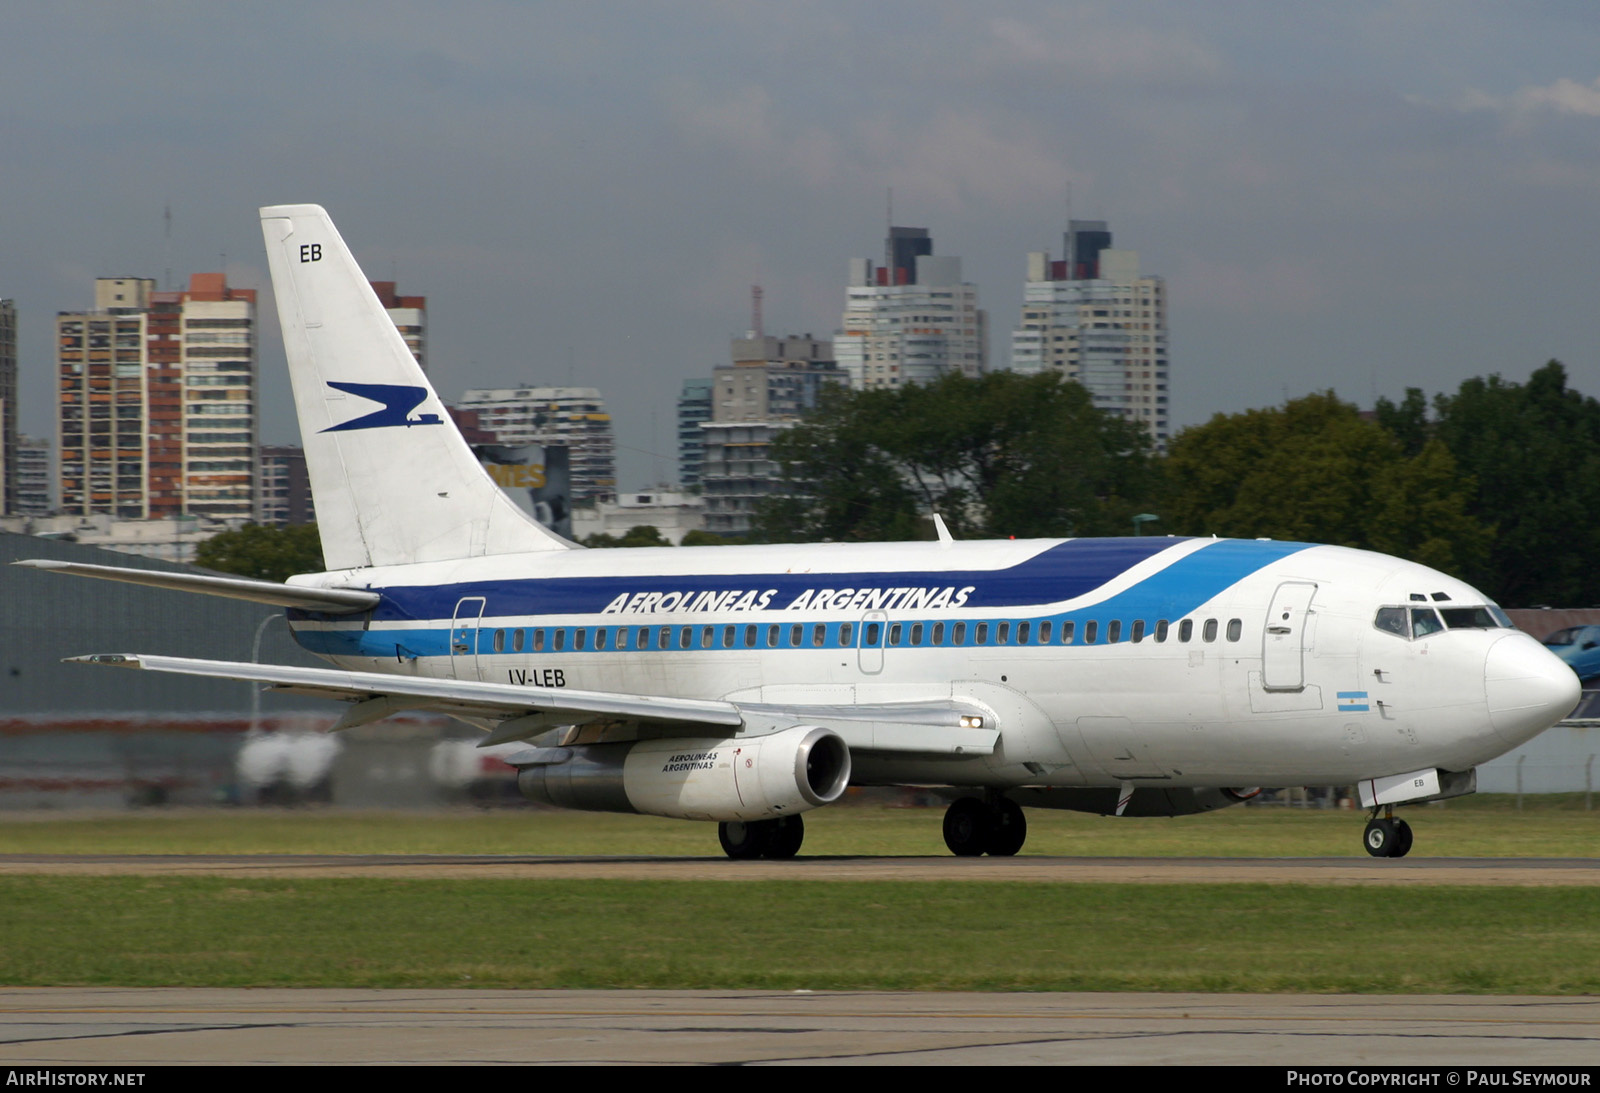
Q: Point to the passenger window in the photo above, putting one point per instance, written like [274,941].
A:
[644,637]
[622,637]
[1161,629]
[1091,630]
[1137,635]
[960,634]
[1044,632]
[982,637]
[1023,629]
[600,638]
[1004,636]
[916,634]
[772,636]
[538,641]
[819,634]
[873,630]
[1210,631]
[938,633]
[518,640]
[1235,628]
[1186,630]
[666,638]
[579,637]
[749,637]
[561,640]
[499,641]
[686,638]
[796,635]
[844,634]
[727,637]
[1113,631]
[1066,632]
[894,634]
[707,636]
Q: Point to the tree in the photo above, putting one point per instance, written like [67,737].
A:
[1534,452]
[265,553]
[700,537]
[640,535]
[1000,455]
[1314,470]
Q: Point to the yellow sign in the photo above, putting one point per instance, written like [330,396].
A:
[528,476]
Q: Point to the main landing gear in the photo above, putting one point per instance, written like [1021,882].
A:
[973,827]
[780,838]
[1387,837]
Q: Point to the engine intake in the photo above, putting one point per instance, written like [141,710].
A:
[693,778]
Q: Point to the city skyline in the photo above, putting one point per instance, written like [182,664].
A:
[1367,197]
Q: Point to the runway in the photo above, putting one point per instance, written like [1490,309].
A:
[139,1027]
[1522,872]
[130,1027]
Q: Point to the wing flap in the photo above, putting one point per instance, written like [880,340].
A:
[497,701]
[522,712]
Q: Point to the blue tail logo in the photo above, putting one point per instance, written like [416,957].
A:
[398,402]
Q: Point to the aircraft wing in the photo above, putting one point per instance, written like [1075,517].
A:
[521,713]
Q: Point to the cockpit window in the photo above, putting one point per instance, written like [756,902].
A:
[1474,618]
[1392,620]
[1424,622]
[1417,622]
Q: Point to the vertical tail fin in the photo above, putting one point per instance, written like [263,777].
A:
[392,479]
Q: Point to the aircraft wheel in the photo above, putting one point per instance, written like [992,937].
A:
[1009,830]
[744,838]
[1380,838]
[967,824]
[788,833]
[1402,839]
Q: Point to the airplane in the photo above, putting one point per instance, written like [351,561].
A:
[747,685]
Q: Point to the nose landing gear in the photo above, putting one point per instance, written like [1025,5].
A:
[1387,837]
[973,827]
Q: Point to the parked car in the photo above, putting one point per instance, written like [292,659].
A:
[1579,646]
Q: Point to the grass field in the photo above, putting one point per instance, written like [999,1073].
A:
[791,935]
[1553,826]
[799,934]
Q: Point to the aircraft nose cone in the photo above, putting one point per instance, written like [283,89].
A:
[1528,687]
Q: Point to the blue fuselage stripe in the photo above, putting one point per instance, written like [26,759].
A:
[1041,583]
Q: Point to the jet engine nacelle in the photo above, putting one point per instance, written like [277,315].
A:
[693,778]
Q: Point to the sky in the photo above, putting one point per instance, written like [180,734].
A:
[1366,195]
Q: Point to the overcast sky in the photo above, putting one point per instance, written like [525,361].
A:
[1357,195]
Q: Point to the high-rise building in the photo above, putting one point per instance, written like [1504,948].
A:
[285,487]
[769,385]
[33,477]
[1091,317]
[157,401]
[8,408]
[410,315]
[573,417]
[911,320]
[694,406]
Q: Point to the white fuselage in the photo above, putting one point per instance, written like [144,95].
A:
[1180,662]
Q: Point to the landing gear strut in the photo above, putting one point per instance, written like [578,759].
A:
[780,838]
[1387,837]
[973,827]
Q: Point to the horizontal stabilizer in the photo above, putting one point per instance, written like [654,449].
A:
[332,600]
